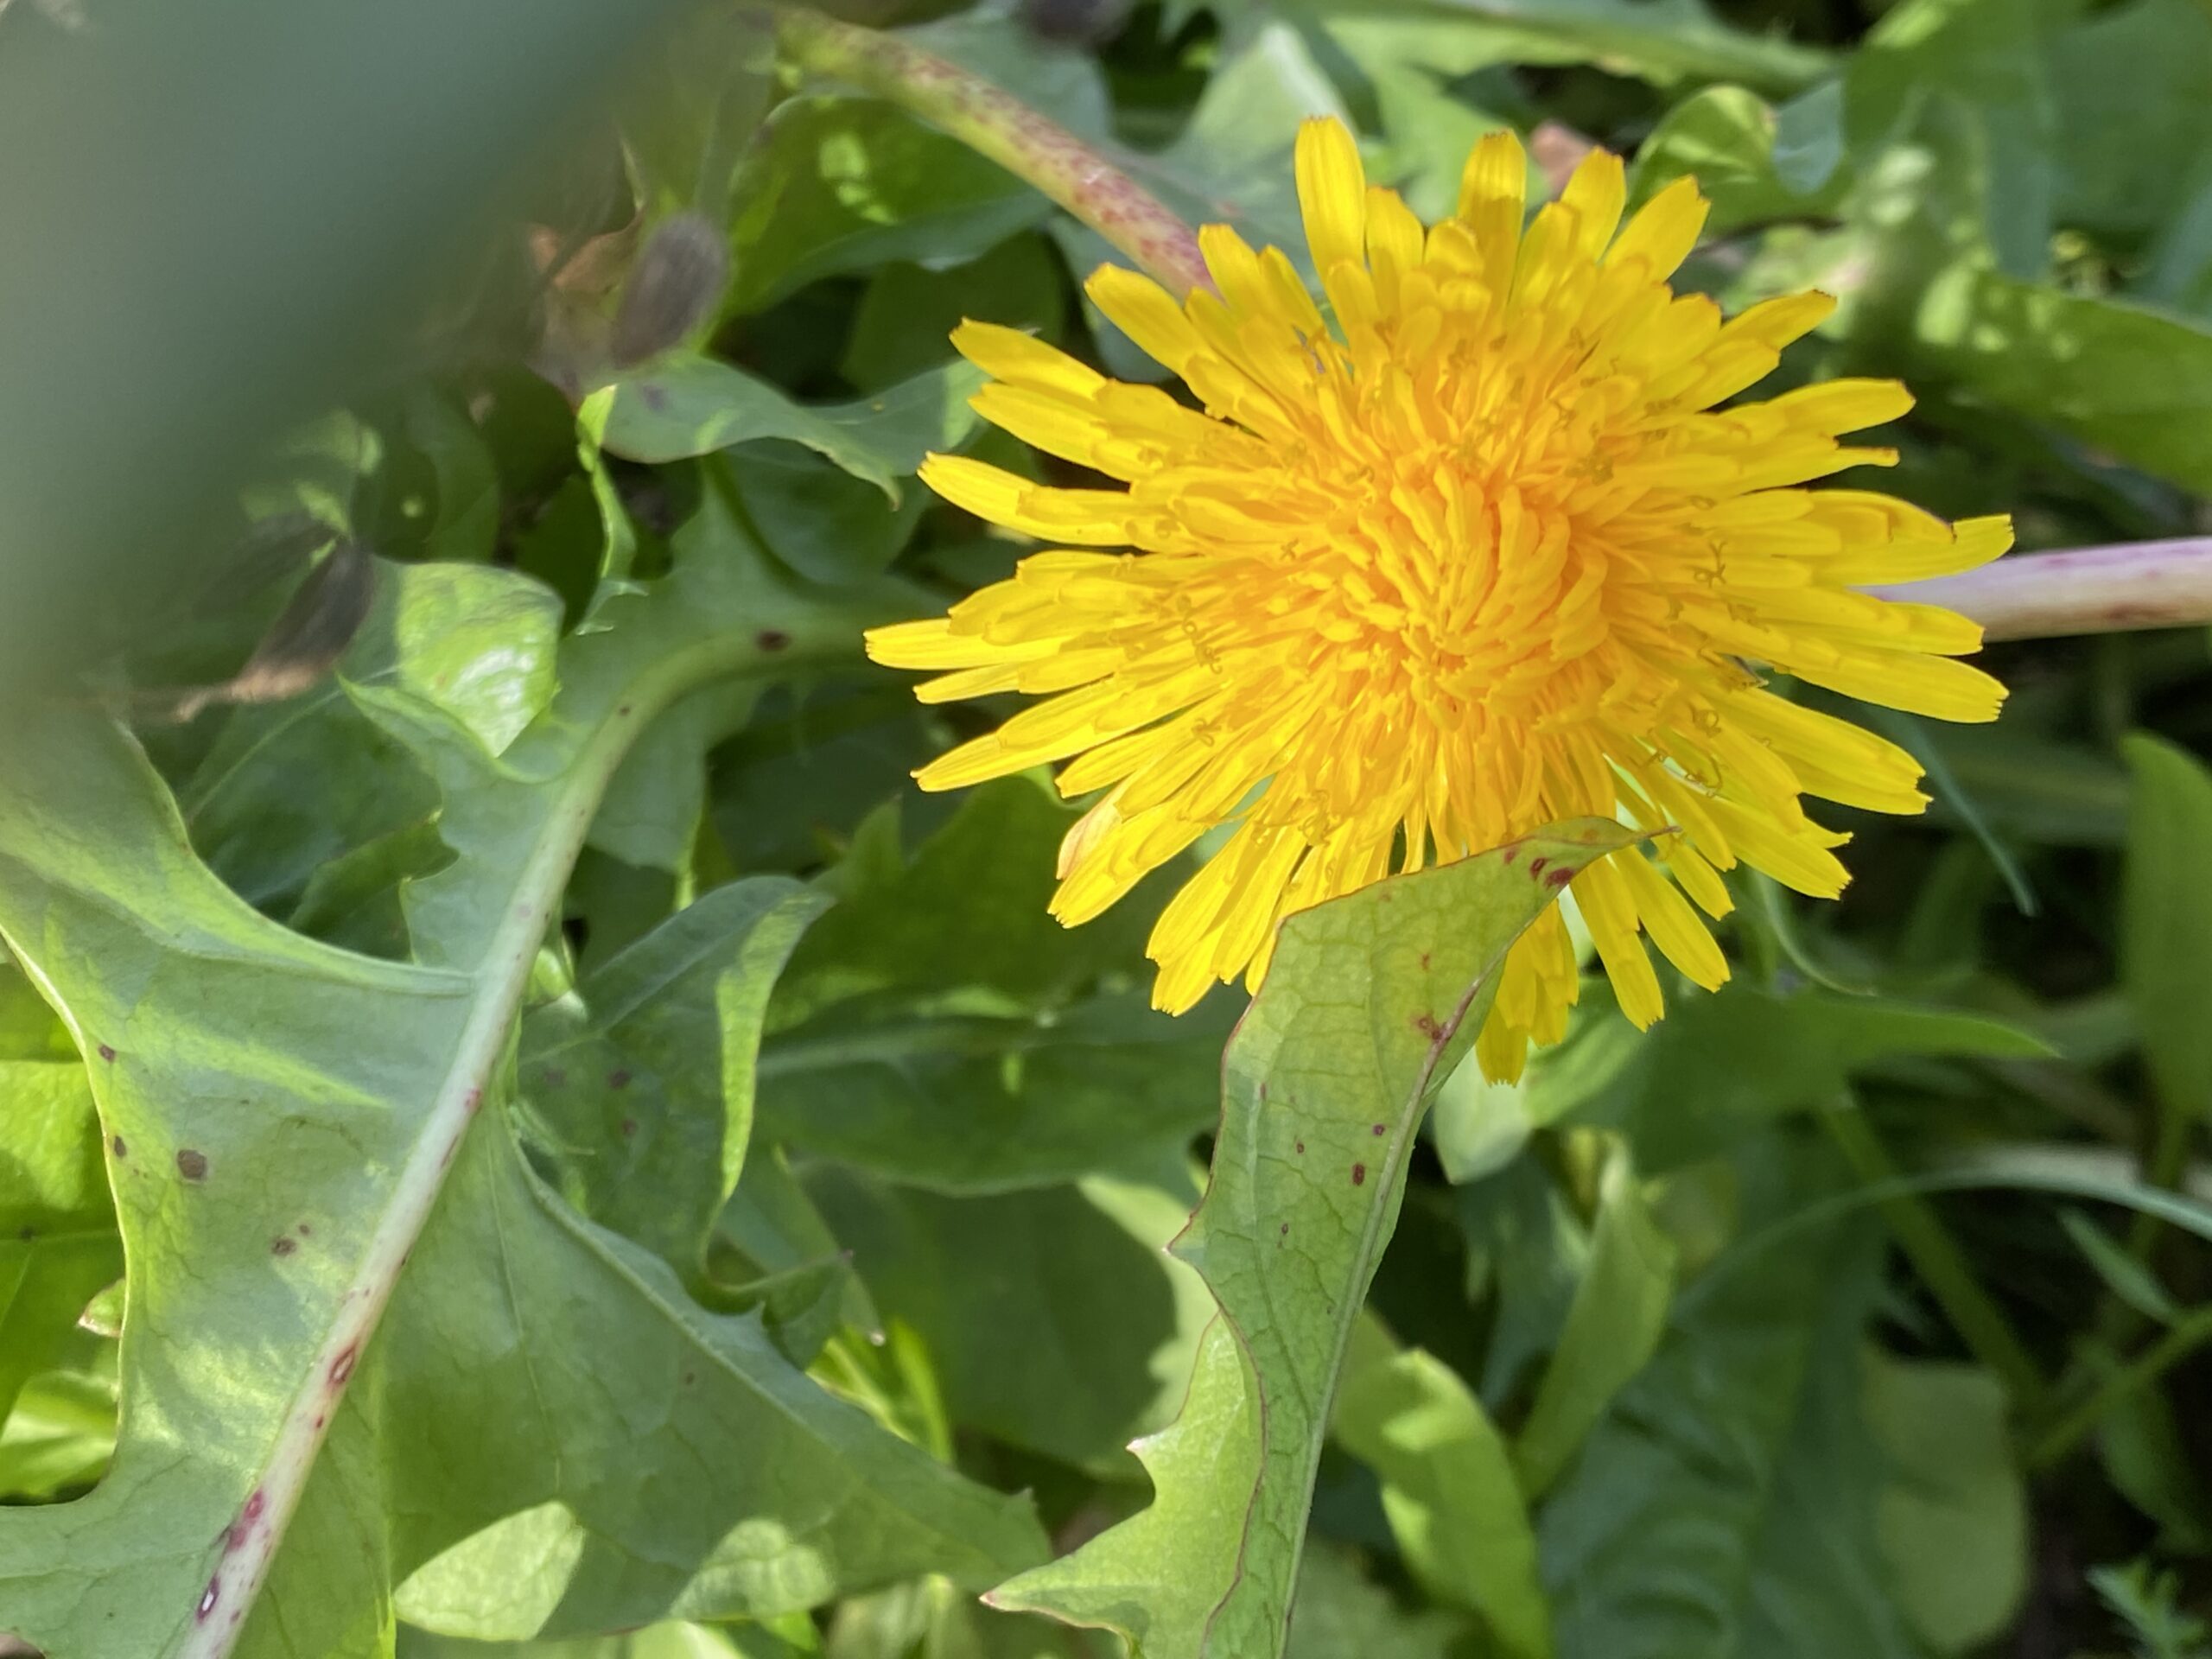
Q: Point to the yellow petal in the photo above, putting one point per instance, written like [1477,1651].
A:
[1331,192]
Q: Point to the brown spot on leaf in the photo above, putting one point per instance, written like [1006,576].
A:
[281,1245]
[771,638]
[192,1165]
[1560,877]
[1426,1024]
[1380,1129]
[207,1602]
[1301,1146]
[629,1128]
[1359,1174]
[107,1053]
[1536,866]
[619,1078]
[342,1367]
[1510,853]
[122,1150]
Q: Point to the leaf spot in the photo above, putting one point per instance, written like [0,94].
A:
[208,1601]
[1426,1024]
[1560,877]
[282,1246]
[1536,866]
[619,1078]
[1380,1129]
[107,1053]
[121,1149]
[192,1165]
[1359,1174]
[772,640]
[342,1367]
[629,1128]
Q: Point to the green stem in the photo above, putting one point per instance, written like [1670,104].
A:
[2188,1333]
[1936,1257]
[1079,176]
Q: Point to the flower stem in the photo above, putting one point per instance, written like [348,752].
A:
[1079,176]
[2083,590]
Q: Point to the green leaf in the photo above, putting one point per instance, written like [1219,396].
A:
[1988,59]
[290,788]
[1752,162]
[684,405]
[1953,1519]
[770,1496]
[1339,1612]
[283,1117]
[644,1074]
[2127,379]
[2149,1603]
[1785,1054]
[1665,42]
[1725,1506]
[1368,1000]
[840,184]
[1612,1325]
[2123,1274]
[1053,1317]
[908,311]
[827,524]
[61,1433]
[2166,920]
[2131,84]
[930,1620]
[1157,1576]
[940,1028]
[1449,1489]
[436,494]
[58,1242]
[656,1641]
[836,184]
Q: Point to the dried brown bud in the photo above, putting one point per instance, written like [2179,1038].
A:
[673,287]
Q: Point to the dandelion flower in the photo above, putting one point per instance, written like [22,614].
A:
[1479,551]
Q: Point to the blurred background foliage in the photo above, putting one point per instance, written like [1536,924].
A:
[1827,1319]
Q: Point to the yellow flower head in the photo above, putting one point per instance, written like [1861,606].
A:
[1483,556]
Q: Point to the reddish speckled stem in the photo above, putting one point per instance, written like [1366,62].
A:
[2083,590]
[994,123]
